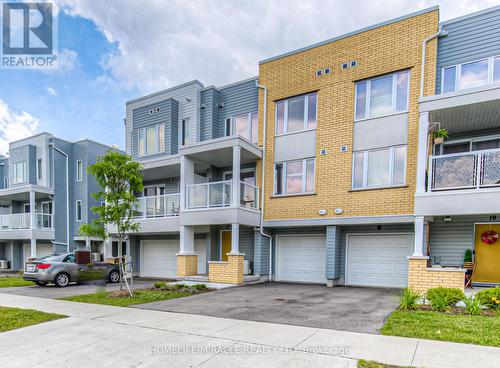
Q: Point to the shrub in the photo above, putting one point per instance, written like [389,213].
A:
[409,299]
[472,305]
[442,298]
[468,255]
[490,297]
[181,286]
[160,285]
[199,287]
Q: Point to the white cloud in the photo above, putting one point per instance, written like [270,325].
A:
[51,91]
[14,126]
[67,60]
[160,44]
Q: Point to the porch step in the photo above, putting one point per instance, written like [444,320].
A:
[247,279]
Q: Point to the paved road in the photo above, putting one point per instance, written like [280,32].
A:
[105,336]
[338,308]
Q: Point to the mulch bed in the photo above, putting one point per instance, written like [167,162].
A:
[458,311]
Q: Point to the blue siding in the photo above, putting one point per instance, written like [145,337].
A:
[239,98]
[468,39]
[209,113]
[261,254]
[332,252]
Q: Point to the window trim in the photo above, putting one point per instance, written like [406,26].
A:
[24,207]
[228,126]
[284,176]
[285,114]
[366,162]
[81,211]
[232,122]
[158,145]
[184,122]
[367,115]
[39,169]
[25,172]
[458,73]
[79,170]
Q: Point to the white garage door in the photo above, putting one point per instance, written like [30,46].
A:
[378,260]
[42,250]
[301,259]
[159,257]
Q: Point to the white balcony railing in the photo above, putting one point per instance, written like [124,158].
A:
[470,170]
[249,196]
[17,221]
[166,205]
[208,195]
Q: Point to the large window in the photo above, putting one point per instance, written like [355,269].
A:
[294,177]
[19,173]
[295,114]
[79,170]
[382,96]
[246,125]
[472,74]
[379,168]
[152,140]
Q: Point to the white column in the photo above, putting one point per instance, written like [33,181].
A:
[33,247]
[87,243]
[187,177]
[186,240]
[235,239]
[236,176]
[32,210]
[419,246]
[423,142]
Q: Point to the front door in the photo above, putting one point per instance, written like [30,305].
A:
[225,244]
[487,256]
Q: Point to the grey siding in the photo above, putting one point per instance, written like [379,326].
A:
[261,254]
[209,113]
[32,164]
[4,166]
[468,39]
[238,98]
[449,240]
[247,243]
[333,252]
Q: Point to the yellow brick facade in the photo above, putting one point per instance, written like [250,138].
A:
[421,278]
[187,265]
[230,272]
[382,50]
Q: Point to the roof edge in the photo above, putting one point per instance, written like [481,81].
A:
[194,81]
[470,15]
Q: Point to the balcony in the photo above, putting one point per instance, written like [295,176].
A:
[461,184]
[22,221]
[166,205]
[213,203]
[471,170]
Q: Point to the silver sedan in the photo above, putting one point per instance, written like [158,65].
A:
[61,270]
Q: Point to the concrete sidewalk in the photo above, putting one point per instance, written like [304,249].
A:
[99,335]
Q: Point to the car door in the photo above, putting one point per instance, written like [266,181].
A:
[71,267]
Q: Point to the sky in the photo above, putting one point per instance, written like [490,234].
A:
[116,50]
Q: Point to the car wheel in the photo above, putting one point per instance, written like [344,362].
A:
[40,283]
[114,276]
[62,279]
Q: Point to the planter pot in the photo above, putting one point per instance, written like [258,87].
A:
[438,140]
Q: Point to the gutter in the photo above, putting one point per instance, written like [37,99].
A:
[440,33]
[67,195]
[261,228]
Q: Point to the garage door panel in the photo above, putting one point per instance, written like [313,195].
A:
[301,259]
[378,260]
[159,258]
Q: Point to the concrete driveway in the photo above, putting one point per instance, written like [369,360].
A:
[53,292]
[339,308]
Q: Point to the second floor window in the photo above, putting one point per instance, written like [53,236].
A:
[19,172]
[39,169]
[246,125]
[152,140]
[382,95]
[296,114]
[79,170]
[78,211]
[185,132]
[469,75]
[294,177]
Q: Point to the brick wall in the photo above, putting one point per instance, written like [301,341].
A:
[382,50]
[230,272]
[187,265]
[422,278]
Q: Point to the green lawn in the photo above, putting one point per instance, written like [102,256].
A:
[478,330]
[12,318]
[372,364]
[140,297]
[13,281]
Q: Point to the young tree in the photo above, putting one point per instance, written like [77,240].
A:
[118,178]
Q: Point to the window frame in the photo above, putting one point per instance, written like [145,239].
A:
[39,169]
[366,163]
[284,177]
[15,171]
[79,170]
[5,182]
[470,141]
[79,203]
[232,124]
[183,130]
[285,114]
[367,112]
[458,73]
[159,147]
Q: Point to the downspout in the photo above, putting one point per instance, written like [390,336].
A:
[440,33]
[67,195]
[261,228]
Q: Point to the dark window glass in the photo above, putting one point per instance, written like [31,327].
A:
[278,177]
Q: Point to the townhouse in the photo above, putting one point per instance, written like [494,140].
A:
[45,198]
[323,169]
